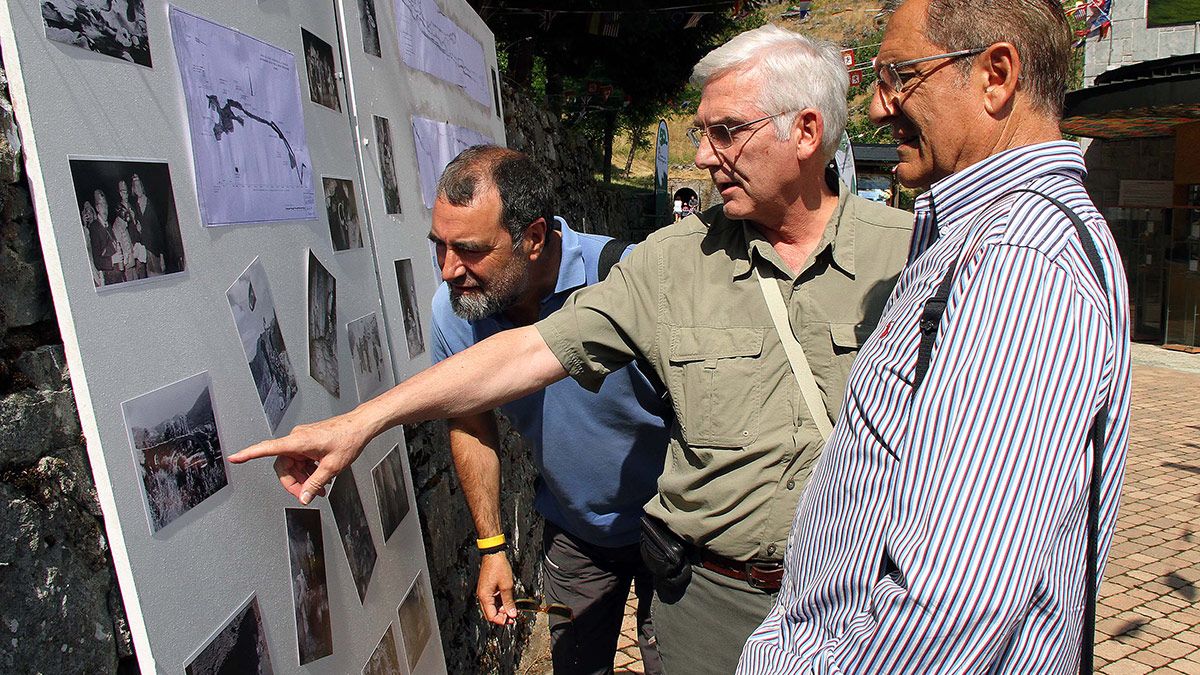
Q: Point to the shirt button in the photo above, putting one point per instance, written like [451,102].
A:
[771,549]
[791,484]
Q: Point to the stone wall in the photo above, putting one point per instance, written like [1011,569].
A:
[60,610]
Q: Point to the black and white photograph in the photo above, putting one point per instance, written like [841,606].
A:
[368,357]
[173,433]
[342,209]
[310,591]
[387,165]
[413,333]
[262,340]
[127,210]
[322,326]
[322,71]
[390,491]
[384,660]
[370,27]
[415,623]
[111,27]
[239,647]
[351,519]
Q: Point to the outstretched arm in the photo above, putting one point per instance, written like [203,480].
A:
[502,368]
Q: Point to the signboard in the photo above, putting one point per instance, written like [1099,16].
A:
[1147,193]
[661,157]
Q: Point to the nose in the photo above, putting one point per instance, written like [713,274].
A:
[451,265]
[706,156]
[883,106]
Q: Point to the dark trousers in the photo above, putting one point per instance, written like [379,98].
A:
[594,582]
[703,631]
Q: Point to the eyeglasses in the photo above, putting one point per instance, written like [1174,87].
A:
[889,75]
[531,605]
[721,135]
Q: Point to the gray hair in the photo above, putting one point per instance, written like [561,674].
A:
[796,72]
[526,191]
[1037,28]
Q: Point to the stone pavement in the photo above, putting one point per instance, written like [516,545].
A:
[1148,618]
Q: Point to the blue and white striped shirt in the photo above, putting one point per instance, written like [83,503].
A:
[944,530]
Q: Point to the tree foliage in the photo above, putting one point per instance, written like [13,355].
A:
[598,82]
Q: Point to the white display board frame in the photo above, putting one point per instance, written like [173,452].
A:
[182,583]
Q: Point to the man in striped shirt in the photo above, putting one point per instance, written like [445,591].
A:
[944,529]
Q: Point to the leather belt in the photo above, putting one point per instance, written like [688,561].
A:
[762,575]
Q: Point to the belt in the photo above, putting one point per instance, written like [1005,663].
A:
[762,575]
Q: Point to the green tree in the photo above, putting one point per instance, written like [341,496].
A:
[607,65]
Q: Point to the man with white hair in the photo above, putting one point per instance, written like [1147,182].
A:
[750,314]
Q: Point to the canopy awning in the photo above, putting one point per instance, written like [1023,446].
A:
[1143,100]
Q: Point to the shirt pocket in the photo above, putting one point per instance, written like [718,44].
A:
[716,372]
[849,337]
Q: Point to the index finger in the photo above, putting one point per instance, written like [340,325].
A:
[268,448]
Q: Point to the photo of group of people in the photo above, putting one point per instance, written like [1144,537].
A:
[322,71]
[366,350]
[127,210]
[114,28]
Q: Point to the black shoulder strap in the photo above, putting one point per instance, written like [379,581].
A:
[931,318]
[610,255]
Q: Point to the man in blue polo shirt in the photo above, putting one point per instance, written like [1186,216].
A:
[507,261]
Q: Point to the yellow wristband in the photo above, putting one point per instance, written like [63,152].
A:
[490,541]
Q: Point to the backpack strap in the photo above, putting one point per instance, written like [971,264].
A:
[610,255]
[931,317]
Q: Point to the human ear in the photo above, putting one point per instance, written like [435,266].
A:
[998,69]
[535,234]
[808,128]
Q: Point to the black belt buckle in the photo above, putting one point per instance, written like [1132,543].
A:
[764,576]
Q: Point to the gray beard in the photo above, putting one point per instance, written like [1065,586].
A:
[497,296]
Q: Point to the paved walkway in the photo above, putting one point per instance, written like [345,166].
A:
[1148,619]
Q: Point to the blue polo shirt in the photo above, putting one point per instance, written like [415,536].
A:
[599,454]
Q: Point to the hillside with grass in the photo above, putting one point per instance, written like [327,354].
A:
[849,23]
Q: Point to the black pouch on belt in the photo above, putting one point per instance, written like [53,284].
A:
[665,555]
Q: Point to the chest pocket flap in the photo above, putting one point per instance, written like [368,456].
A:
[717,384]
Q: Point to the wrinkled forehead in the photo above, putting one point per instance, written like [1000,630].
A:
[904,36]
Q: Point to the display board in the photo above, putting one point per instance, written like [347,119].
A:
[236,244]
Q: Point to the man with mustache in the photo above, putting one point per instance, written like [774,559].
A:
[507,261]
[960,515]
[749,313]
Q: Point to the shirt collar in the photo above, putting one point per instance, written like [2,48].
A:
[572,272]
[958,197]
[838,236]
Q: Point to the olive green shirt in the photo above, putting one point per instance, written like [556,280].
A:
[685,301]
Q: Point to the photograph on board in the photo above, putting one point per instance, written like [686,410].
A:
[370,27]
[127,210]
[262,341]
[384,660]
[239,647]
[387,166]
[367,357]
[342,209]
[322,326]
[322,71]
[390,491]
[415,623]
[110,27]
[310,591]
[351,519]
[173,433]
[413,333]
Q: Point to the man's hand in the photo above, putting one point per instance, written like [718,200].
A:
[495,589]
[307,459]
